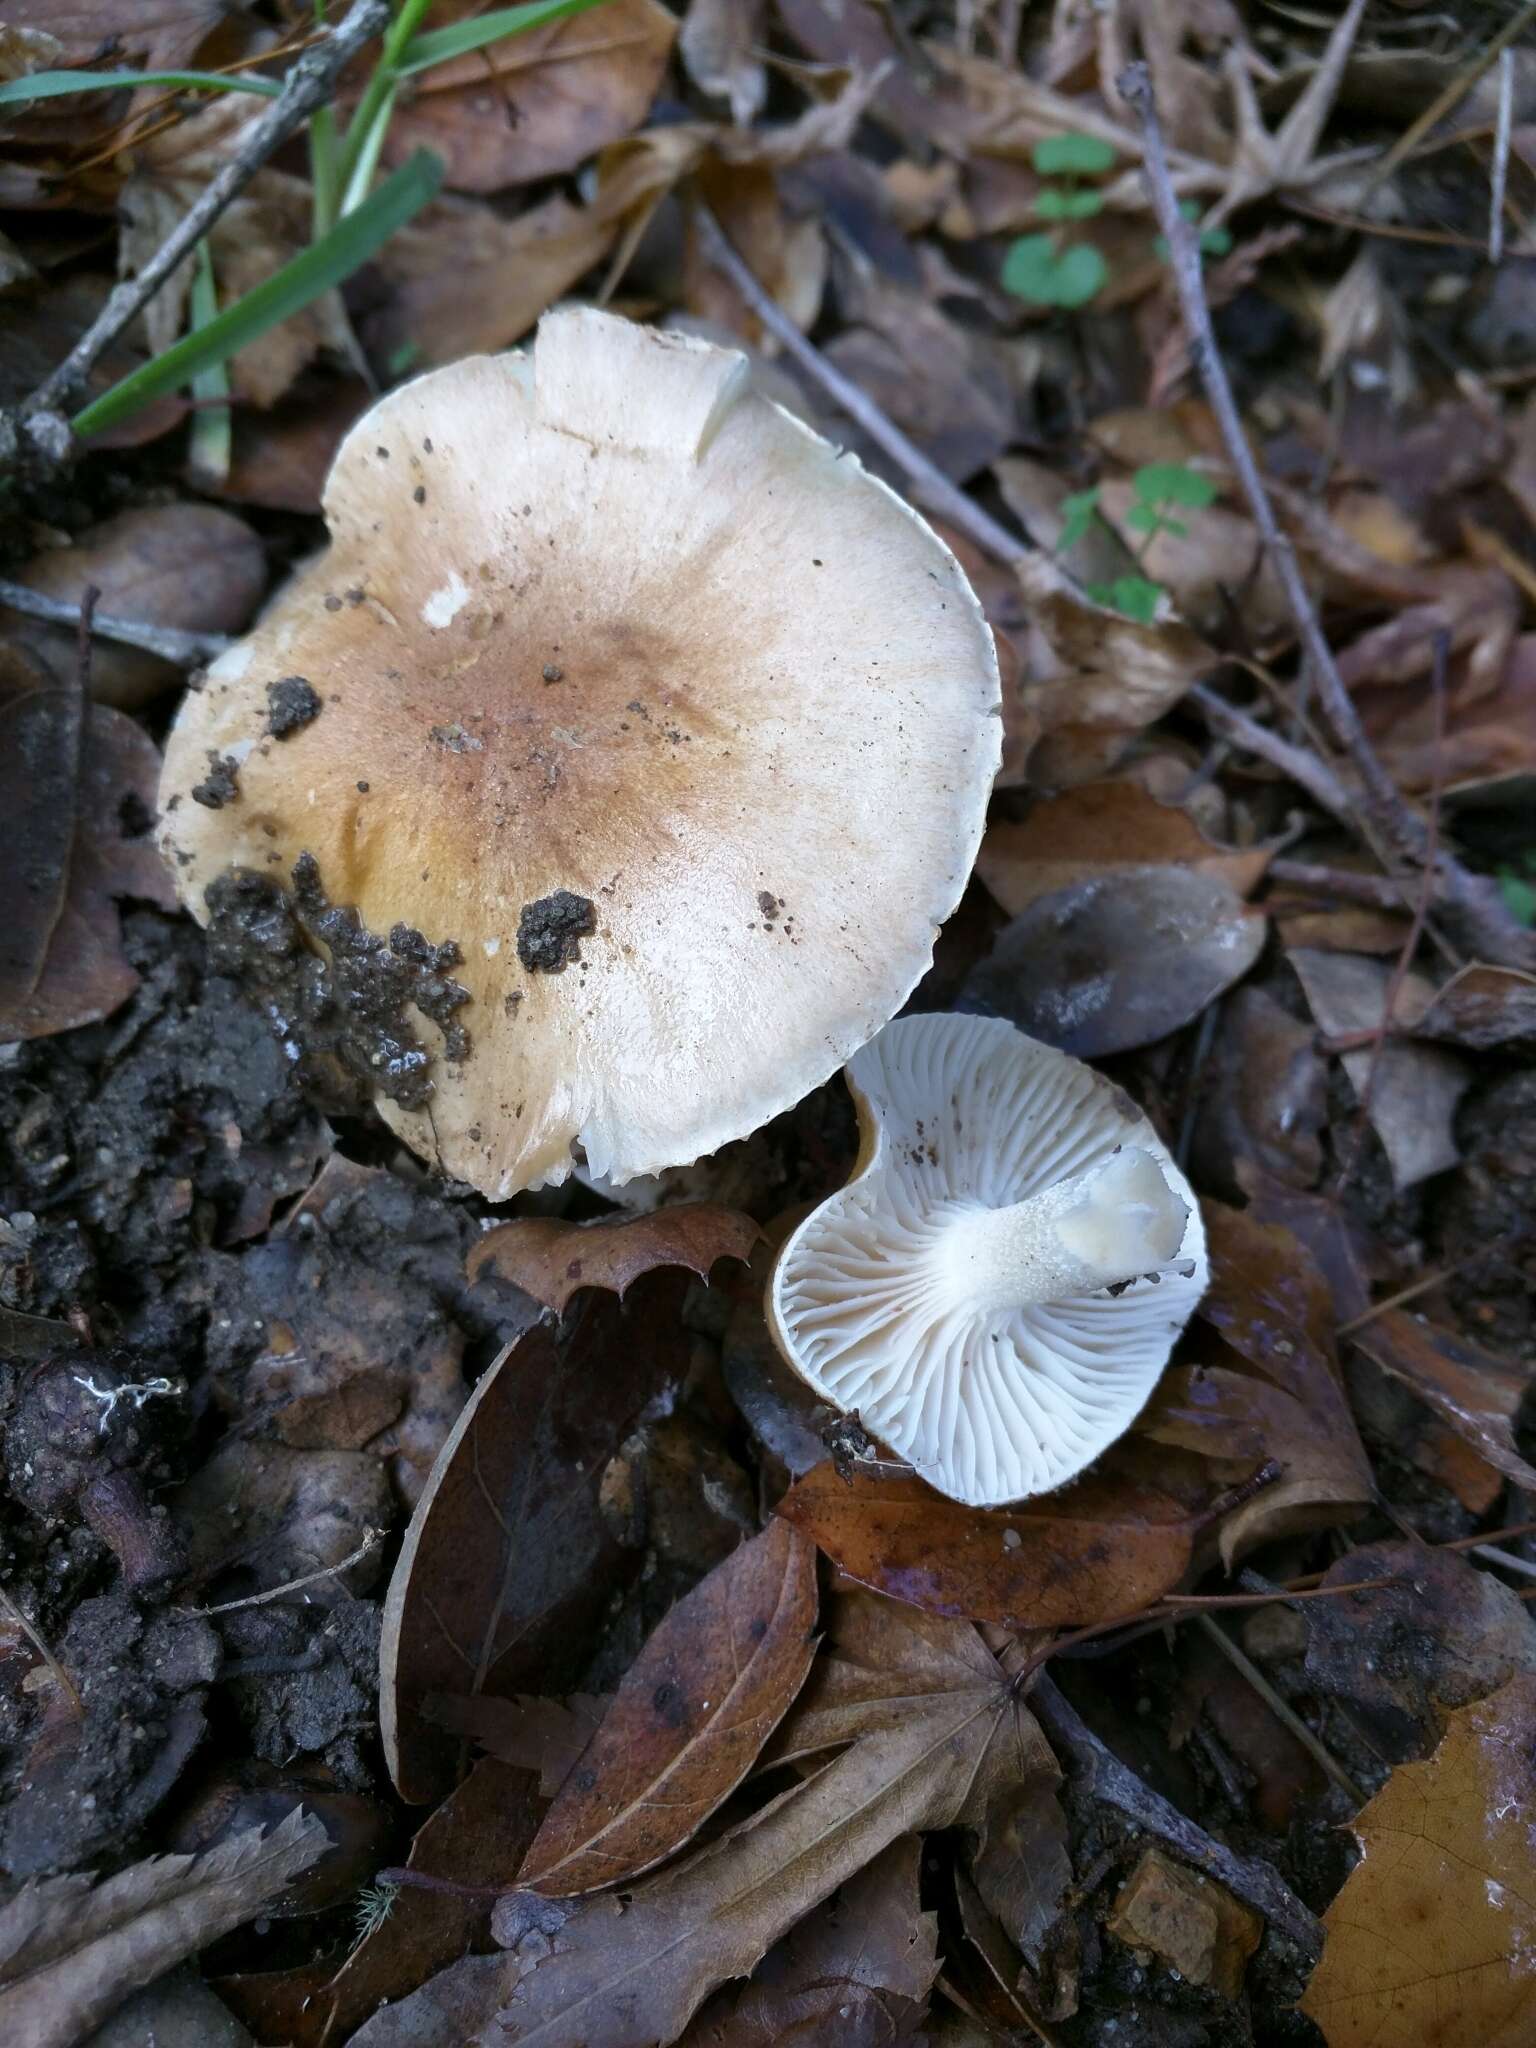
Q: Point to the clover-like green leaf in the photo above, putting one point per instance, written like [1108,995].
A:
[1080,275]
[1077,515]
[1076,155]
[1173,483]
[1136,596]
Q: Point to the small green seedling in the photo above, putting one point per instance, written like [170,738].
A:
[1155,487]
[1213,241]
[1039,268]
[1517,885]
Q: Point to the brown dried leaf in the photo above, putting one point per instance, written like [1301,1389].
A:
[277,1514]
[1415,1088]
[1023,1861]
[157,34]
[1098,678]
[1431,1937]
[550,1260]
[1273,1308]
[857,1972]
[1099,830]
[77,795]
[1481,1007]
[474,1838]
[508,1562]
[546,1736]
[1106,1544]
[1263,1097]
[1474,1393]
[688,1721]
[544,102]
[717,46]
[631,1974]
[281,458]
[1106,965]
[184,565]
[71,1950]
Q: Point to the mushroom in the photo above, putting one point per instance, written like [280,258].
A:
[1000,1282]
[652,744]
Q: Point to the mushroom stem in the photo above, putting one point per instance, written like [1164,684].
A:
[1099,1229]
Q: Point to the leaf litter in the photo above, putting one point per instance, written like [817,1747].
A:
[272,1392]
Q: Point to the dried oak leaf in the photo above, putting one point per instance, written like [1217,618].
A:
[550,1259]
[688,1721]
[71,1950]
[1103,830]
[1476,1394]
[77,795]
[941,1733]
[554,96]
[1117,961]
[1278,1395]
[1431,1938]
[1106,1544]
[509,1562]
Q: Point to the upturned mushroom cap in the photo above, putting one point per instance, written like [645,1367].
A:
[1002,1279]
[673,720]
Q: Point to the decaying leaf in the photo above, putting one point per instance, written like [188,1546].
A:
[550,1259]
[77,795]
[1414,1089]
[718,53]
[1106,1544]
[1103,830]
[539,103]
[1431,1938]
[941,1733]
[1426,1633]
[509,1560]
[71,1950]
[1272,1307]
[540,1735]
[1481,1007]
[1476,1394]
[273,1514]
[1263,1097]
[689,1719]
[1117,961]
[184,565]
[857,1971]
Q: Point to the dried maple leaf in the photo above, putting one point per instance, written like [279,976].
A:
[941,1732]
[550,1260]
[1431,1938]
[688,1721]
[71,1951]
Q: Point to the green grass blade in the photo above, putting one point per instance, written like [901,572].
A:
[54,85]
[328,262]
[366,161]
[378,93]
[212,429]
[460,37]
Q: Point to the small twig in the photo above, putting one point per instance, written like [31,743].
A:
[1500,174]
[1477,900]
[1410,944]
[308,85]
[171,643]
[1423,1285]
[1283,1711]
[929,481]
[1506,1558]
[1309,771]
[370,1541]
[1452,97]
[1106,1778]
[1376,892]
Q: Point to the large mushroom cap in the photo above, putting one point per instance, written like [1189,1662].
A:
[1000,1283]
[672,719]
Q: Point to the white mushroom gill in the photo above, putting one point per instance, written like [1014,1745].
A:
[998,1287]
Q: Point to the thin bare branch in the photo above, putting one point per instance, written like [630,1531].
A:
[171,643]
[371,1540]
[1475,900]
[308,85]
